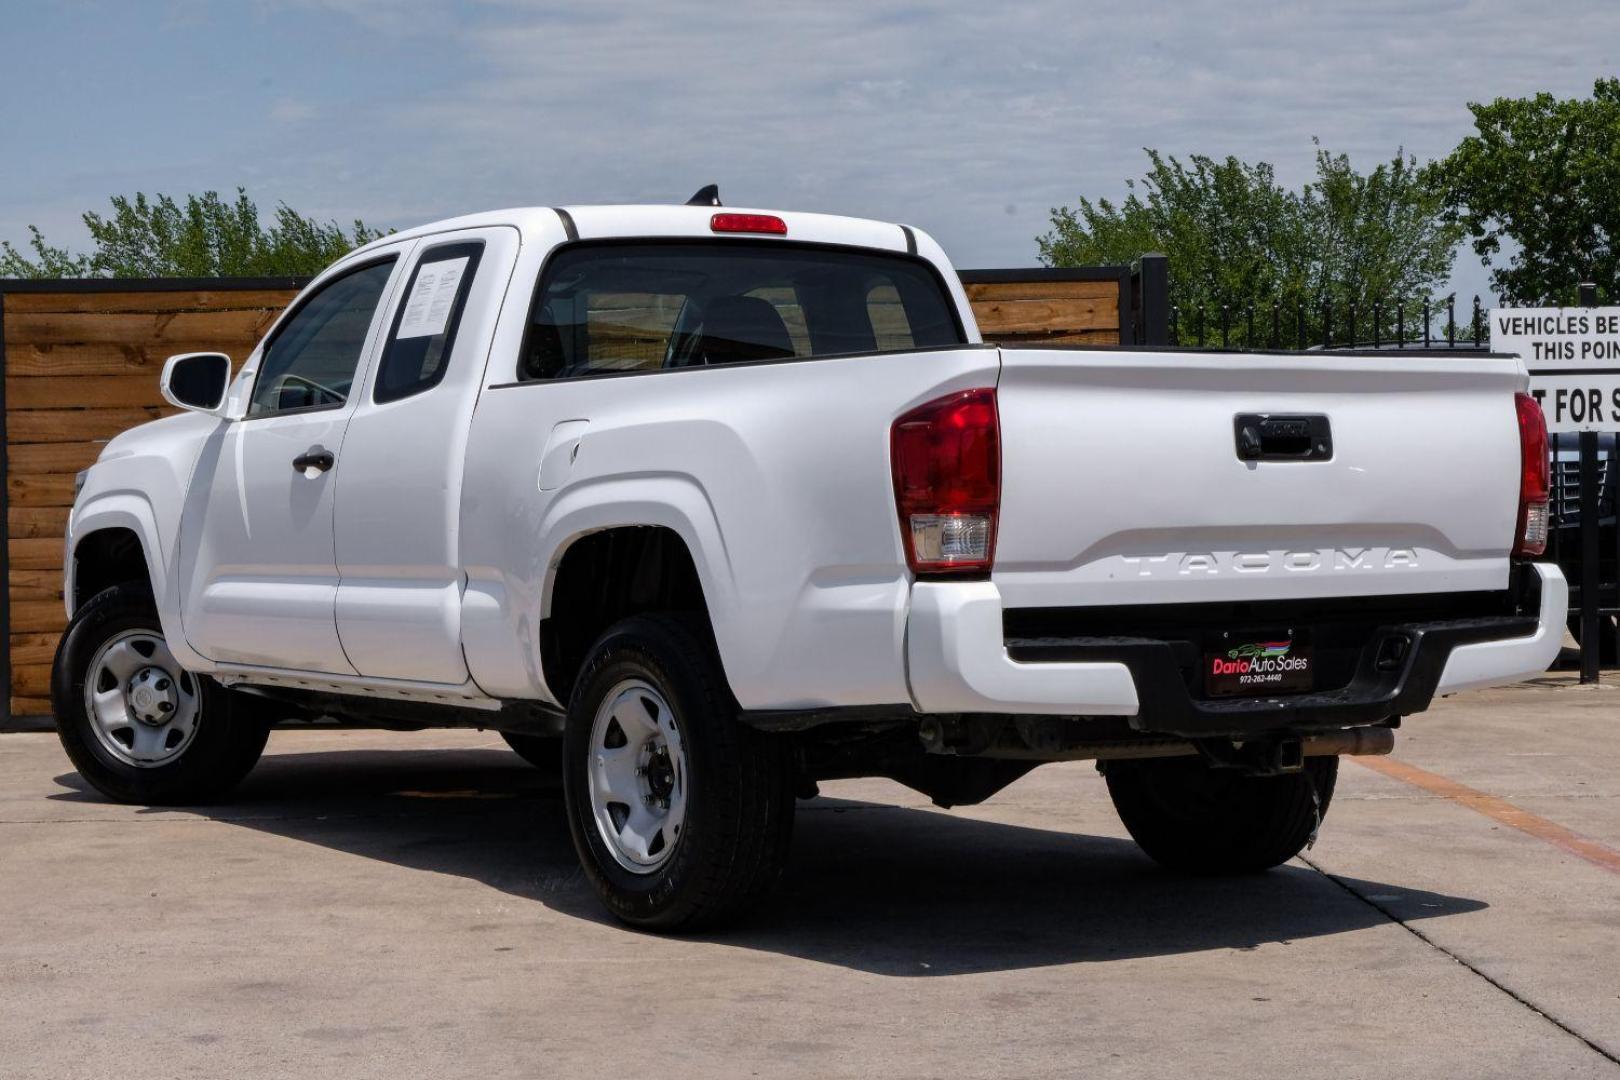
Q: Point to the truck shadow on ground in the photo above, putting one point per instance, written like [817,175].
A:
[882,889]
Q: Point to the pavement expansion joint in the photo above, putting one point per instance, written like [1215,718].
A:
[1517,997]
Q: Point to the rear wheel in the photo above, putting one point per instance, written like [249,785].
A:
[1197,819]
[680,814]
[138,726]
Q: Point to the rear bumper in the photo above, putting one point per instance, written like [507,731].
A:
[1495,663]
[960,659]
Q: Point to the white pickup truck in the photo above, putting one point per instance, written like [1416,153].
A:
[706,505]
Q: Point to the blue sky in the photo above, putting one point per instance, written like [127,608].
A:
[969,120]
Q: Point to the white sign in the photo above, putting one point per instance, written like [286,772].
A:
[1574,359]
[427,309]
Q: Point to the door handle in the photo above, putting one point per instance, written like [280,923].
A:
[314,458]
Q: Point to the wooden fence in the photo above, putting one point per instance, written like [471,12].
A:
[1085,306]
[81,361]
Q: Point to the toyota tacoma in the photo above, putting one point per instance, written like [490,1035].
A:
[702,506]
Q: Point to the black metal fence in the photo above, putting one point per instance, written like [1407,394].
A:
[1398,323]
[1584,542]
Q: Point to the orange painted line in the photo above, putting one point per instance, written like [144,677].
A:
[1600,855]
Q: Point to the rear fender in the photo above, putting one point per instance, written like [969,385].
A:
[501,620]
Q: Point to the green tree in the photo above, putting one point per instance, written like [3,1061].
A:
[1543,174]
[203,237]
[1234,236]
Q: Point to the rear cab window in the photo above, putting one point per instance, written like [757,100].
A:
[615,307]
[429,314]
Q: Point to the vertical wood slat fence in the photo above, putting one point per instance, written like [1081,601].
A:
[80,362]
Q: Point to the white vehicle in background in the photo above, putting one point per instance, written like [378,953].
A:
[705,505]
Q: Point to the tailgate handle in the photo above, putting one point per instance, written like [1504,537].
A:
[1274,437]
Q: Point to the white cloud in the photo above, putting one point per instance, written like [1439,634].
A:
[291,111]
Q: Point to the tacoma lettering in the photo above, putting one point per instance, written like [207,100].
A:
[1260,562]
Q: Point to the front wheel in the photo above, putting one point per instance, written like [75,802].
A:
[138,726]
[1197,819]
[680,814]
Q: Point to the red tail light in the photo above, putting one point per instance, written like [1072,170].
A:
[748,223]
[946,457]
[1530,536]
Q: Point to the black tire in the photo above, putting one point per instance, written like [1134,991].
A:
[229,734]
[738,792]
[541,751]
[1196,819]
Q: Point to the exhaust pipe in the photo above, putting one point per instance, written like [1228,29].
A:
[1354,742]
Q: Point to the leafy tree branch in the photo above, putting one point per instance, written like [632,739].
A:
[204,236]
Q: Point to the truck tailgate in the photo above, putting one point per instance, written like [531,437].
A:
[1123,481]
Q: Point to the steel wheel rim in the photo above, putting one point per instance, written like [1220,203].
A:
[142,705]
[637,776]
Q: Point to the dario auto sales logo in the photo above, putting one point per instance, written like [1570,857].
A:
[1259,658]
[1260,650]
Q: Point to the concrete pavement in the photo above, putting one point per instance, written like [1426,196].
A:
[390,905]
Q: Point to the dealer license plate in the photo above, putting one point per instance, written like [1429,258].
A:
[1257,664]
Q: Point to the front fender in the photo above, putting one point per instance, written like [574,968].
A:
[132,510]
[140,484]
[115,510]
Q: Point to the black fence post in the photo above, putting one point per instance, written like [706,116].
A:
[1226,336]
[1428,321]
[1593,632]
[1300,313]
[1200,324]
[1591,646]
[1476,320]
[1327,323]
[1378,323]
[1276,324]
[1150,280]
[1451,321]
[1175,324]
[1248,340]
[1400,323]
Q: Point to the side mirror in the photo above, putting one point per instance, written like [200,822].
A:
[196,381]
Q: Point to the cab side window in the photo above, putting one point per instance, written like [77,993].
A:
[311,361]
[424,331]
